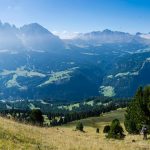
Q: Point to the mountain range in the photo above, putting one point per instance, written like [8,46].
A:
[36,64]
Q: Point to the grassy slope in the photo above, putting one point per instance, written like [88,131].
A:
[104,119]
[16,136]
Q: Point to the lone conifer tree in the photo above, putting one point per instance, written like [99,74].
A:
[79,126]
[116,130]
[36,117]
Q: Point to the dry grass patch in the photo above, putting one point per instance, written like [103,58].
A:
[16,136]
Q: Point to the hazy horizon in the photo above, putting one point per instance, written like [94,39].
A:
[69,35]
[69,17]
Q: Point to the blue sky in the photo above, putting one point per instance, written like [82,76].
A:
[79,15]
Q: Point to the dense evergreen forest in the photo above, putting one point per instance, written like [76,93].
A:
[58,114]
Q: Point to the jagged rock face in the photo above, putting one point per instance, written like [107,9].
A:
[107,36]
[9,39]
[35,64]
[29,37]
[35,37]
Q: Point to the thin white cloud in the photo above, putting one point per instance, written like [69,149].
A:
[146,36]
[13,8]
[66,34]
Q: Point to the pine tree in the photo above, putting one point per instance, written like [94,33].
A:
[79,126]
[36,116]
[138,111]
[116,130]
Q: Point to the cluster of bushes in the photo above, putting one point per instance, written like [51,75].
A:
[114,130]
[17,115]
[34,116]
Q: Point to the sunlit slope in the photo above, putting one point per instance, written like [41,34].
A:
[16,136]
[104,119]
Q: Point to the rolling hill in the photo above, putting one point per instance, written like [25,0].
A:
[17,136]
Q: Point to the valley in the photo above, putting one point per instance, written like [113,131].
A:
[40,65]
[74,75]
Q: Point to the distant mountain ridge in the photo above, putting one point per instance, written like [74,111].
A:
[36,64]
[31,37]
[107,36]
[34,36]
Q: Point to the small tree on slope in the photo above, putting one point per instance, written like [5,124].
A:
[79,126]
[36,117]
[116,130]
